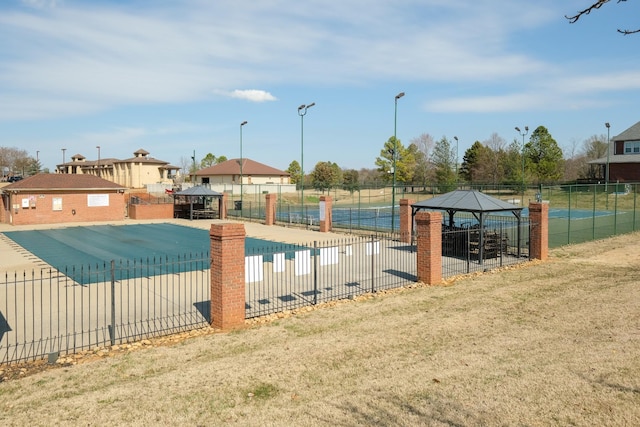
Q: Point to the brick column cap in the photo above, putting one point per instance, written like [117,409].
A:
[227,230]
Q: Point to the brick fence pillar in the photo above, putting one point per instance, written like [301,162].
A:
[227,275]
[429,247]
[539,235]
[325,213]
[405,220]
[270,209]
[222,206]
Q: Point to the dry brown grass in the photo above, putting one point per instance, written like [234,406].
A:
[553,343]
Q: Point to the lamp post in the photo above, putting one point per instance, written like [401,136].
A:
[456,138]
[38,161]
[606,172]
[193,159]
[63,160]
[395,156]
[302,111]
[526,131]
[241,165]
[98,171]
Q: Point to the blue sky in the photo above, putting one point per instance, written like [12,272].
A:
[178,76]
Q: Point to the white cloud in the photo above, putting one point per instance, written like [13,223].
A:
[89,56]
[253,95]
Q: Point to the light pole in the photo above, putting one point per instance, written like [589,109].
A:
[193,159]
[606,171]
[98,171]
[302,111]
[456,138]
[38,161]
[241,165]
[526,131]
[63,160]
[395,155]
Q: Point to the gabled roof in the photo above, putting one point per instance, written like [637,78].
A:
[62,181]
[197,191]
[249,167]
[631,134]
[466,201]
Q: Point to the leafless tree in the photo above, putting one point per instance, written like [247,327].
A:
[597,5]
[13,160]
[424,169]
[185,166]
[573,161]
[497,146]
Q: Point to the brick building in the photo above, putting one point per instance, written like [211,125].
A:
[60,198]
[623,157]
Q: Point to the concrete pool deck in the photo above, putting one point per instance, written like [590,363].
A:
[14,258]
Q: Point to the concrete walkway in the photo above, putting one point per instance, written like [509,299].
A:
[14,258]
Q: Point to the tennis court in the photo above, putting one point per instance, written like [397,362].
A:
[574,213]
[73,247]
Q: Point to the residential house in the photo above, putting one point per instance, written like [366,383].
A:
[623,157]
[253,176]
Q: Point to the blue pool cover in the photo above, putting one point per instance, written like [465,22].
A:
[72,248]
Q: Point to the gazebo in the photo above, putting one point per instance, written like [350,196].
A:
[474,202]
[200,201]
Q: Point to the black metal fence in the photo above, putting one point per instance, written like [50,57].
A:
[468,249]
[288,277]
[50,312]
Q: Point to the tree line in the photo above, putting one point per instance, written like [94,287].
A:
[424,162]
[429,162]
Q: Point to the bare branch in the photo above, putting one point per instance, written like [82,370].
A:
[596,5]
[627,32]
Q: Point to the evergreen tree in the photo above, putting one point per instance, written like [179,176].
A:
[444,160]
[543,156]
[405,161]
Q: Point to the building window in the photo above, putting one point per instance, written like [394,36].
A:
[632,147]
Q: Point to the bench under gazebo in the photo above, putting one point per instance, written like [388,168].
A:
[482,243]
[197,203]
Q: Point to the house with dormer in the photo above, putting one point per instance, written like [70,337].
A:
[623,157]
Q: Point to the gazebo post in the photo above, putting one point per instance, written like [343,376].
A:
[519,233]
[452,213]
[481,241]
